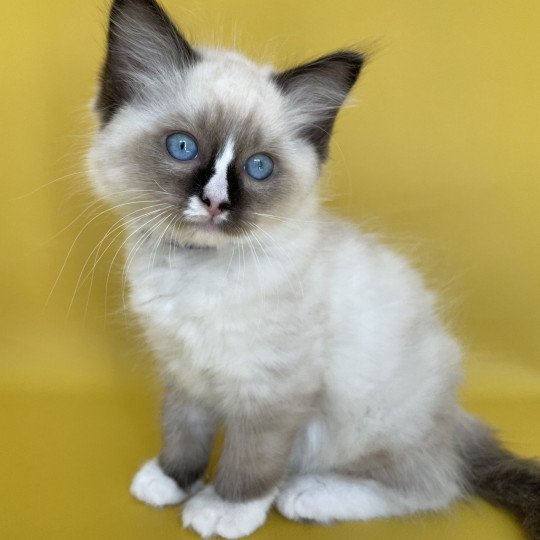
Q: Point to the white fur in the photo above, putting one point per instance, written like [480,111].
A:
[326,499]
[330,497]
[224,80]
[369,336]
[216,188]
[208,514]
[152,486]
[370,332]
[303,303]
[196,210]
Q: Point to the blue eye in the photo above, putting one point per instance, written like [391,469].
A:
[182,147]
[259,166]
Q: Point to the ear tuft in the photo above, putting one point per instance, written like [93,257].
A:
[317,90]
[143,45]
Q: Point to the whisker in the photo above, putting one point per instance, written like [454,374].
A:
[288,220]
[270,261]
[259,278]
[39,188]
[133,252]
[153,254]
[118,224]
[74,243]
[230,261]
[119,249]
[286,255]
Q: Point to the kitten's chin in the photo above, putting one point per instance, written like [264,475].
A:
[207,227]
[202,234]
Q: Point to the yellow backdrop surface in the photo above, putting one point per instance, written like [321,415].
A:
[440,155]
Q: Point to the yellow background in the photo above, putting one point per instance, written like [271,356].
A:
[440,155]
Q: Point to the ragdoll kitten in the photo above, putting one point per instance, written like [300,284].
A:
[319,350]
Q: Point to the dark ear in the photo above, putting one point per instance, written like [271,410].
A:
[143,46]
[317,90]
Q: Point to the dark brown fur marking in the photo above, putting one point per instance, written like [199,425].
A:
[340,69]
[146,19]
[187,440]
[255,457]
[504,479]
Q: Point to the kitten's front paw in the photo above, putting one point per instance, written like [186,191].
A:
[306,499]
[208,514]
[152,486]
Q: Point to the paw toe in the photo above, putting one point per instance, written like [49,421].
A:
[152,486]
[208,515]
[300,501]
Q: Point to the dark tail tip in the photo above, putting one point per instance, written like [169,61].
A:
[502,478]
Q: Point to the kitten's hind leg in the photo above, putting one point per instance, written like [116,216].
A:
[325,498]
[188,431]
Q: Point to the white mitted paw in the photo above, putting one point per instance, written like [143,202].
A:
[327,498]
[208,514]
[152,486]
[304,498]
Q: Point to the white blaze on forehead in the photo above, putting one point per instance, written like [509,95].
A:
[217,189]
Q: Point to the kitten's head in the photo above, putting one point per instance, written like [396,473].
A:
[204,142]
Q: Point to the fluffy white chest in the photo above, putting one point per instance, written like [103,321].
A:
[224,331]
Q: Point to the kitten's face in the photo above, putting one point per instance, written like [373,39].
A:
[203,145]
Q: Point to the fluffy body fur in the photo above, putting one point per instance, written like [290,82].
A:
[318,349]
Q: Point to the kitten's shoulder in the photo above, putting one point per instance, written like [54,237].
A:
[351,251]
[340,235]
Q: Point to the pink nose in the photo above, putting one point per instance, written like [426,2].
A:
[215,207]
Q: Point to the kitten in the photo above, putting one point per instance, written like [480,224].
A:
[318,349]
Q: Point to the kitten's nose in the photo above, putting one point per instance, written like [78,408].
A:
[215,206]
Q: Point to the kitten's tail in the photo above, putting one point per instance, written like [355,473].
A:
[500,477]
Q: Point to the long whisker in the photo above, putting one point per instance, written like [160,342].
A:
[288,220]
[156,247]
[39,188]
[85,211]
[178,222]
[133,252]
[171,244]
[125,223]
[285,254]
[270,261]
[230,261]
[119,249]
[60,273]
[238,282]
[244,263]
[118,224]
[259,278]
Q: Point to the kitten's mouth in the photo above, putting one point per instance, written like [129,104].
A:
[198,235]
[211,224]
